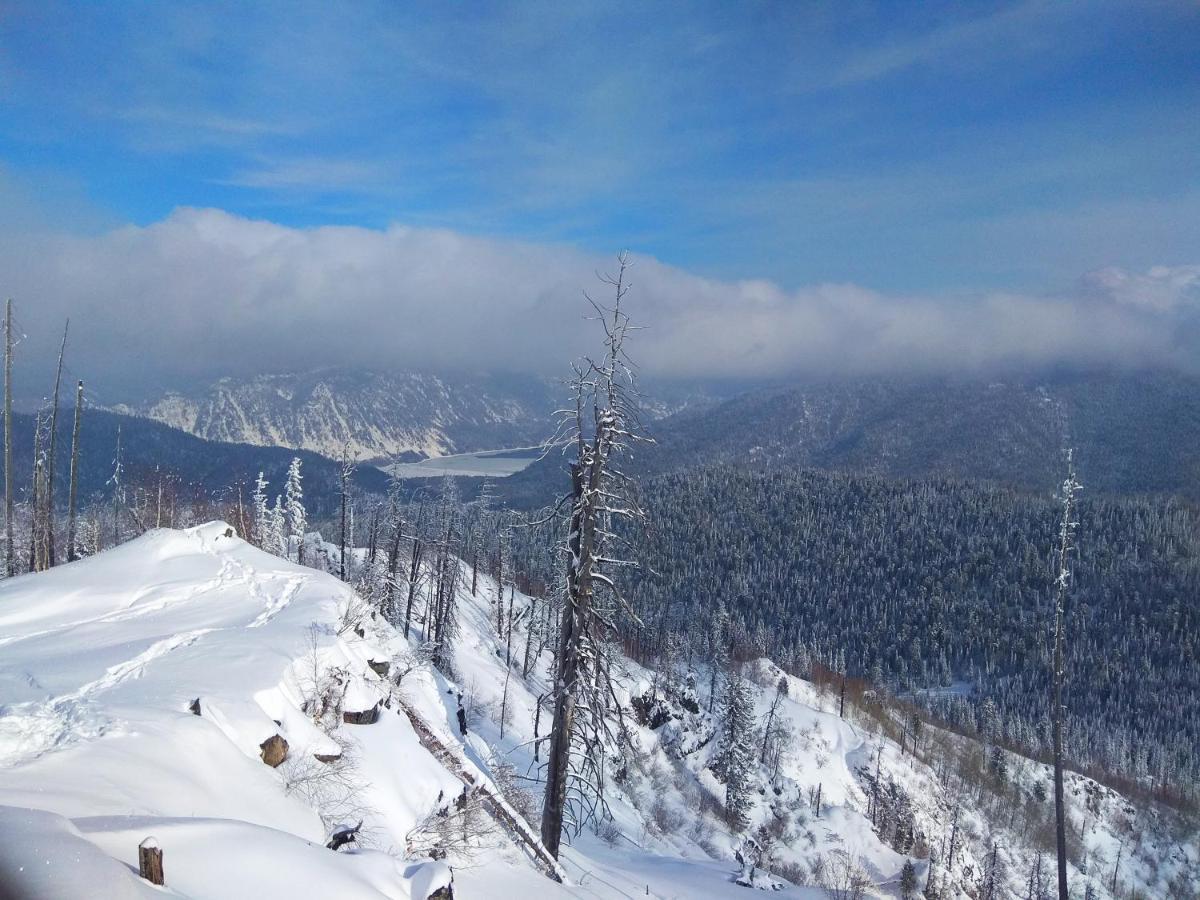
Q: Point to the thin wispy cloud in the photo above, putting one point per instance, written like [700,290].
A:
[312,174]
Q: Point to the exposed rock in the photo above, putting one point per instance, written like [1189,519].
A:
[365,717]
[344,834]
[380,668]
[327,757]
[274,750]
[194,706]
[650,711]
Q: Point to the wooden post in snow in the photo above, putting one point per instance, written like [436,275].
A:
[150,861]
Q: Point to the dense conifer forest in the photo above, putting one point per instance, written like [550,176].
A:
[942,590]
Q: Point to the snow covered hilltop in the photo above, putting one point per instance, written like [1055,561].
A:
[240,709]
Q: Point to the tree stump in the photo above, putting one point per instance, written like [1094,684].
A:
[150,863]
[274,750]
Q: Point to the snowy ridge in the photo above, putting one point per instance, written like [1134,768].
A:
[103,664]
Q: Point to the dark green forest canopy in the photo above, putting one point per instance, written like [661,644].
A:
[925,583]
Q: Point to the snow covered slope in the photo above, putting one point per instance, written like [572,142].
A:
[102,661]
[141,691]
[103,665]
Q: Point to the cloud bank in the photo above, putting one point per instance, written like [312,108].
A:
[204,293]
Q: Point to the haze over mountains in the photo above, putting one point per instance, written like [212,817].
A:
[1134,432]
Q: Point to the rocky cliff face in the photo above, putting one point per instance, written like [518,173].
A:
[379,415]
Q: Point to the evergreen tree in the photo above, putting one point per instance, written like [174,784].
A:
[735,760]
[908,880]
[297,517]
[262,516]
[278,543]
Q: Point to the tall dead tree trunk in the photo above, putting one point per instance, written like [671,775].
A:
[10,555]
[574,623]
[500,584]
[118,478]
[599,495]
[73,493]
[50,457]
[1062,582]
[344,474]
[35,524]
[394,566]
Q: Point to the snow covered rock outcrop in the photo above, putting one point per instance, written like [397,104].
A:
[378,415]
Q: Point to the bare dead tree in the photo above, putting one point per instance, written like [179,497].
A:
[414,569]
[441,624]
[396,522]
[118,483]
[10,554]
[345,472]
[1066,543]
[36,531]
[50,457]
[73,493]
[600,428]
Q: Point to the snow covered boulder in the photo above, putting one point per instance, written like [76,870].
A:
[361,704]
[362,717]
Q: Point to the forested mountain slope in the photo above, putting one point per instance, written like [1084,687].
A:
[1132,433]
[151,452]
[146,692]
[921,584]
[1136,432]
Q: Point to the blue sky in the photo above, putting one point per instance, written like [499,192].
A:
[839,187]
[900,146]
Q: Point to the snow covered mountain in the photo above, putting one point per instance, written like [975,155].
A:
[380,415]
[237,707]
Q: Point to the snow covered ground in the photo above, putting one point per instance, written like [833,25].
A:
[101,664]
[139,687]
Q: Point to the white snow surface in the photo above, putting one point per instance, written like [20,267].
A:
[100,661]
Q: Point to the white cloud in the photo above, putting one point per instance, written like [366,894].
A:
[203,293]
[1162,288]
